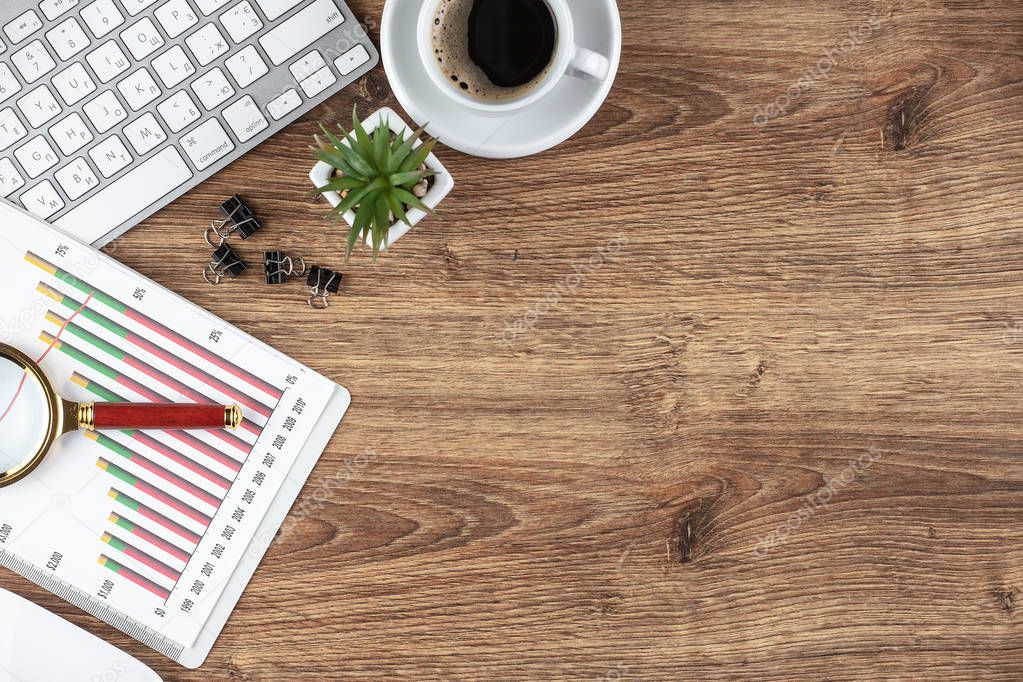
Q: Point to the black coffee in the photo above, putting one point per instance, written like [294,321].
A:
[494,50]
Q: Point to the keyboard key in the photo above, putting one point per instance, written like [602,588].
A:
[102,17]
[145,134]
[22,27]
[124,93]
[9,83]
[307,66]
[300,31]
[33,61]
[39,106]
[247,66]
[11,128]
[207,44]
[284,105]
[77,179]
[139,89]
[241,21]
[108,61]
[54,8]
[42,200]
[274,9]
[318,82]
[68,38]
[129,195]
[105,112]
[70,134]
[36,156]
[74,84]
[173,66]
[179,112]
[213,89]
[208,7]
[245,119]
[136,6]
[10,178]
[142,39]
[351,60]
[110,156]
[207,144]
[176,17]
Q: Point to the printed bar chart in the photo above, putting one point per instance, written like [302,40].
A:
[134,552]
[154,516]
[170,335]
[167,478]
[156,530]
[191,441]
[135,363]
[178,458]
[163,523]
[130,383]
[134,577]
[153,491]
[151,538]
[141,342]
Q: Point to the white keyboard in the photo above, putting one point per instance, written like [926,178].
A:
[110,109]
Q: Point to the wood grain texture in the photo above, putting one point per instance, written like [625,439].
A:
[631,484]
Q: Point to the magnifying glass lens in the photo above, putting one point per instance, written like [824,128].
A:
[24,415]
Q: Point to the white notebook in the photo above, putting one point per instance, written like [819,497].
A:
[156,533]
[29,635]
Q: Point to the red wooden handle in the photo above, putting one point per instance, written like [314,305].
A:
[162,416]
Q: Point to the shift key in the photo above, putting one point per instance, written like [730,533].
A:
[301,31]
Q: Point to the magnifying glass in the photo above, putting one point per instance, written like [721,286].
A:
[33,416]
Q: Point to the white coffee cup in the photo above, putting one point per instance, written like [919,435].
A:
[569,60]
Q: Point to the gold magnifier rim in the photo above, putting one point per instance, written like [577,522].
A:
[53,405]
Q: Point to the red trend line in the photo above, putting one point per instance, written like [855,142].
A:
[14,398]
[56,337]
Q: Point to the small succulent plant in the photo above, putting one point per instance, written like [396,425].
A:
[375,175]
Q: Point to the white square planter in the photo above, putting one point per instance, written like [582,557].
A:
[443,183]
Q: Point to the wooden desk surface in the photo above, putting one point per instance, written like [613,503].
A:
[634,482]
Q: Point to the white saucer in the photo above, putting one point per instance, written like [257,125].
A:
[548,123]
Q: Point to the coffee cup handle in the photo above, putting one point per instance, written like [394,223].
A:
[590,64]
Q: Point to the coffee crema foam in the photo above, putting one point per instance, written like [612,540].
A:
[450,36]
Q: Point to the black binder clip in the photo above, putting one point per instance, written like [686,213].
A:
[278,267]
[238,219]
[322,284]
[224,264]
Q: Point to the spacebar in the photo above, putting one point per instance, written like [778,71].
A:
[126,197]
